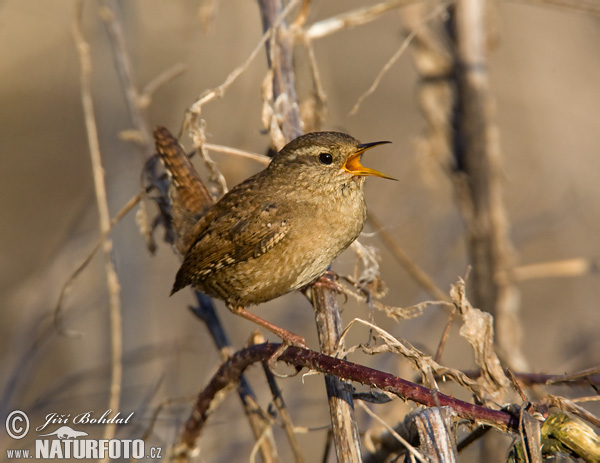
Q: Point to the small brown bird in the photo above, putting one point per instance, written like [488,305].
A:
[280,229]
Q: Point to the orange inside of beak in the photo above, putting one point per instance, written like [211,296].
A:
[353,165]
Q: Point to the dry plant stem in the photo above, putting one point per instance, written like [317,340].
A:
[229,373]
[328,319]
[69,283]
[353,18]
[404,259]
[341,406]
[584,374]
[151,87]
[111,15]
[477,178]
[396,56]
[288,425]
[116,328]
[435,434]
[261,158]
[556,269]
[541,378]
[419,275]
[280,60]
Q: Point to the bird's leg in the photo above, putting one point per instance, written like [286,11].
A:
[287,336]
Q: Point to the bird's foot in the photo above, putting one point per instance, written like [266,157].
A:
[328,280]
[291,339]
[285,345]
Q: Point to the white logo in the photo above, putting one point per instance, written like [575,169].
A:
[65,432]
[14,424]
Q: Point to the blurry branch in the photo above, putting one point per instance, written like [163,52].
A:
[164,77]
[353,18]
[116,327]
[555,269]
[69,283]
[477,176]
[582,6]
[137,103]
[281,115]
[438,10]
[419,275]
[110,14]
[589,377]
[261,158]
[404,259]
[585,374]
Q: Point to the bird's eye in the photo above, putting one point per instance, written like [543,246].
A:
[325,158]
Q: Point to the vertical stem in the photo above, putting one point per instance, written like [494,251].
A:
[116,328]
[339,392]
[478,181]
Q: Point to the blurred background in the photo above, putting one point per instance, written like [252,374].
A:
[544,73]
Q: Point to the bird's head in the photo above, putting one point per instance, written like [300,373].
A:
[327,155]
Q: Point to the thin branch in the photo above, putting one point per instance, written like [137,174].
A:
[116,327]
[555,269]
[409,265]
[288,425]
[69,283]
[396,56]
[393,432]
[580,375]
[160,80]
[110,14]
[353,18]
[261,158]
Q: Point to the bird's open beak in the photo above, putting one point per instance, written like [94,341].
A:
[354,166]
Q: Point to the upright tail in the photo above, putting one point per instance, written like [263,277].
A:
[188,196]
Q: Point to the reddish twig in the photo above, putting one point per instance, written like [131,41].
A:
[228,374]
